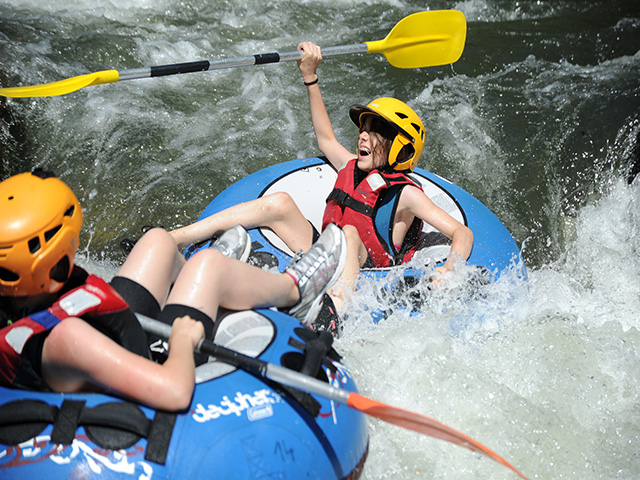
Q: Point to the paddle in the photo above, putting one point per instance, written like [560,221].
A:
[305,383]
[422,39]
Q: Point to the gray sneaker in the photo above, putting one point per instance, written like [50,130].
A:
[316,271]
[234,243]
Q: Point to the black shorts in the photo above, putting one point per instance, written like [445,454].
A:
[141,301]
[29,376]
[315,234]
[138,297]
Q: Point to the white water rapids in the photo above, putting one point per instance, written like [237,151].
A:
[539,120]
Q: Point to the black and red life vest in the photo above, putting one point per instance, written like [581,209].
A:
[370,205]
[93,299]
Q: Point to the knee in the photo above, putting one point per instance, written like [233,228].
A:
[207,260]
[280,204]
[354,242]
[157,240]
[352,235]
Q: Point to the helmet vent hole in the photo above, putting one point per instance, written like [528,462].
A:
[401,115]
[60,271]
[406,153]
[69,212]
[49,234]
[34,244]
[8,275]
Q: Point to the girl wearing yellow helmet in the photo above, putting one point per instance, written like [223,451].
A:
[390,141]
[69,331]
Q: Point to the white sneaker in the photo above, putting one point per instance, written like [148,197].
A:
[234,243]
[316,271]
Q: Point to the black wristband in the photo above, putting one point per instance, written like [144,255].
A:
[308,84]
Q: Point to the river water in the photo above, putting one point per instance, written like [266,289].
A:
[539,120]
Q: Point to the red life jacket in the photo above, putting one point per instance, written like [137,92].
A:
[370,206]
[96,297]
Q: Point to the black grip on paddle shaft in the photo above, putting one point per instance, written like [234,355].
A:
[267,58]
[252,365]
[175,68]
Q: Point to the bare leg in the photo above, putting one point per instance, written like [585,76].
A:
[277,211]
[356,256]
[154,263]
[209,280]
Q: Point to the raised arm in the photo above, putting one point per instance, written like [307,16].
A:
[325,136]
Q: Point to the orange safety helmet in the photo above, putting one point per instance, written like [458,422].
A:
[40,221]
[408,141]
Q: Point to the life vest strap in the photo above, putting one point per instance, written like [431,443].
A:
[343,198]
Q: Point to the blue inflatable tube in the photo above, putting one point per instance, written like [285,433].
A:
[310,180]
[238,426]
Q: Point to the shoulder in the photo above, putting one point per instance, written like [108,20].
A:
[338,156]
[412,191]
[347,164]
[344,164]
[412,196]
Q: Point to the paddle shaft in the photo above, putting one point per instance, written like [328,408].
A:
[259,59]
[284,376]
[255,366]
[421,39]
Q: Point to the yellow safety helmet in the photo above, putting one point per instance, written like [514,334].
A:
[408,143]
[40,222]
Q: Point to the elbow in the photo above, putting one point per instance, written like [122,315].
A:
[176,399]
[466,235]
[469,237]
[177,382]
[184,396]
[182,402]
[178,387]
[462,242]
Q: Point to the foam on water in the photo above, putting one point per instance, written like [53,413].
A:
[548,379]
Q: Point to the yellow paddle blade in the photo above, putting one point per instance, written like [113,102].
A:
[63,86]
[424,39]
